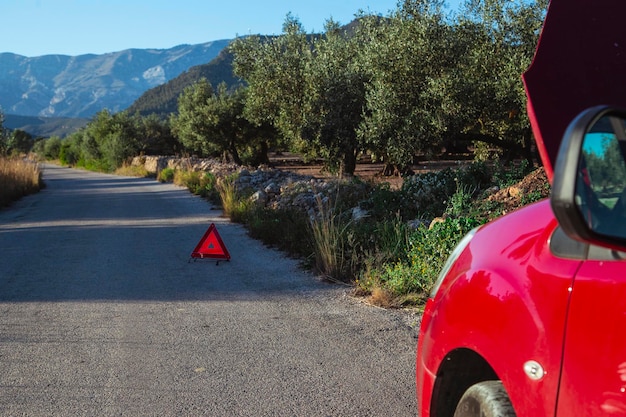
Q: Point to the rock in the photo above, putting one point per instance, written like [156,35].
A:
[359,214]
[259,198]
[272,189]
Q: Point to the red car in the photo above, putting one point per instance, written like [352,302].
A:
[528,317]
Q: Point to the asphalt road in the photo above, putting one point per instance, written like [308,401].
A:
[102,314]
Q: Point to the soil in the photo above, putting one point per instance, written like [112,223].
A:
[365,169]
[508,199]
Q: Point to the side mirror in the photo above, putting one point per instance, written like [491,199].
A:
[589,188]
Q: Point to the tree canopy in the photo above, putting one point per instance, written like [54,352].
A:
[413,84]
[409,84]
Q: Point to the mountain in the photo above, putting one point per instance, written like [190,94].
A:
[163,99]
[80,86]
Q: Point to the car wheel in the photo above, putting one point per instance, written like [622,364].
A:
[485,399]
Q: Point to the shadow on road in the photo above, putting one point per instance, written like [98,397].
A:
[100,237]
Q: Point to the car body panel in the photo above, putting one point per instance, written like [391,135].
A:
[594,369]
[505,299]
[509,299]
[580,56]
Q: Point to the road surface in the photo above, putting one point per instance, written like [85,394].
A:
[102,314]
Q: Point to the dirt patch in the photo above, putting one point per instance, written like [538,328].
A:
[366,170]
[533,187]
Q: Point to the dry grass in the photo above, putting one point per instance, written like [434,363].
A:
[382,298]
[17,179]
[328,237]
[128,170]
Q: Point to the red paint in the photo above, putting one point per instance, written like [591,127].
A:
[580,63]
[508,298]
[211,246]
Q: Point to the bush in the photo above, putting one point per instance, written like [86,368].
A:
[132,171]
[285,229]
[166,175]
[428,251]
[203,184]
[237,207]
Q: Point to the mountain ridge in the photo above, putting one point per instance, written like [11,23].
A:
[79,86]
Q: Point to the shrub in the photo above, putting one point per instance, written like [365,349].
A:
[166,175]
[203,184]
[132,171]
[429,191]
[287,229]
[429,249]
[235,206]
[329,233]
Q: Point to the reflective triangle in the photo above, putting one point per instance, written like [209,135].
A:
[211,246]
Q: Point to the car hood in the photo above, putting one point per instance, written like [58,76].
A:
[580,62]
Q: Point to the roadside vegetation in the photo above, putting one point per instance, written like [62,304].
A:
[391,244]
[420,83]
[18,177]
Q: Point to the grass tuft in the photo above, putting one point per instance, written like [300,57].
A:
[17,179]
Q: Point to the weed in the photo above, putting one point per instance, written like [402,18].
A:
[329,241]
[287,229]
[132,171]
[17,179]
[166,175]
[235,206]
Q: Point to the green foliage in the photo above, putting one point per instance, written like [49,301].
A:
[334,99]
[509,175]
[3,136]
[166,175]
[428,251]
[408,58]
[52,148]
[274,69]
[108,141]
[286,229]
[203,184]
[18,142]
[212,123]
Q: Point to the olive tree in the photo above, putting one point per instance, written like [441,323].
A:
[210,123]
[488,102]
[274,69]
[408,60]
[335,98]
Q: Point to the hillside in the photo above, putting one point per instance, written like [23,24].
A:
[44,127]
[80,86]
[162,100]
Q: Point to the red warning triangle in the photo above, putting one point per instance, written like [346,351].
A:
[211,246]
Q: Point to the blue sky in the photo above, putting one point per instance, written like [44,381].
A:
[74,27]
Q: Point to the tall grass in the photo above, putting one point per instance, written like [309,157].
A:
[328,236]
[17,179]
[234,205]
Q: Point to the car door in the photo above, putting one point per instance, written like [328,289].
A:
[593,377]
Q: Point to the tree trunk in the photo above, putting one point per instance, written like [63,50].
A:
[234,153]
[348,164]
[262,156]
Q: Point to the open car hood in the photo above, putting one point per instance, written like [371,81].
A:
[580,62]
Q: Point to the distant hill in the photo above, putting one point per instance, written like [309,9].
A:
[80,86]
[163,99]
[44,126]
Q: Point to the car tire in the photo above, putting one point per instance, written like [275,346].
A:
[485,399]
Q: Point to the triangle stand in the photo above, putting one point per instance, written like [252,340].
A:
[211,246]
